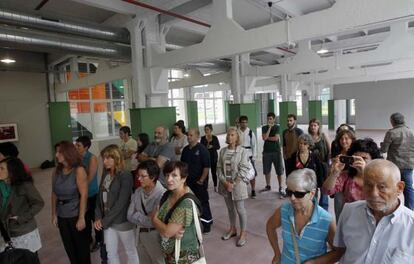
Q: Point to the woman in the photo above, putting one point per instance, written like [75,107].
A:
[179,139]
[172,222]
[303,223]
[350,181]
[112,206]
[233,168]
[212,143]
[69,202]
[142,143]
[19,203]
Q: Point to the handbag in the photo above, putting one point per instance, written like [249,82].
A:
[202,259]
[295,244]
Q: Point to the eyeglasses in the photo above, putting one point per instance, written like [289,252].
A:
[297,194]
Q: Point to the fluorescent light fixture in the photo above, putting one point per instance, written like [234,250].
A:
[8,60]
[322,51]
[186,75]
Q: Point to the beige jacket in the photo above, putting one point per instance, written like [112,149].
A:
[240,166]
[399,146]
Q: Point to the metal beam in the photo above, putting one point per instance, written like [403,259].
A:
[184,9]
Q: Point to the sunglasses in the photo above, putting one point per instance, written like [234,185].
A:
[298,195]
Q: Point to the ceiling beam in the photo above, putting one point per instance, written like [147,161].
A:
[184,9]
[111,5]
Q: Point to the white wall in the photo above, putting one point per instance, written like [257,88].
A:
[23,101]
[376,101]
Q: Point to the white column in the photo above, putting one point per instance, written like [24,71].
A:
[235,79]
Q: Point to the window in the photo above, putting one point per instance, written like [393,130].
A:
[325,96]
[210,105]
[98,111]
[176,97]
[299,102]
[277,100]
[352,107]
[175,75]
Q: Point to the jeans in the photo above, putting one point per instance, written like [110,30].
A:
[407,178]
[112,238]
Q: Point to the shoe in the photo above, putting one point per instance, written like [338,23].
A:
[227,236]
[265,189]
[253,194]
[206,229]
[282,193]
[241,242]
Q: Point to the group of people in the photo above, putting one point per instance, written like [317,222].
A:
[152,195]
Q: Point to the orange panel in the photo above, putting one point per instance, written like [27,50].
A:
[98,92]
[100,107]
[84,108]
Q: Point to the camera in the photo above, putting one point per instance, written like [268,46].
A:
[346,159]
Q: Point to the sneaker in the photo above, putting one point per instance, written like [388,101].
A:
[265,189]
[282,193]
[253,194]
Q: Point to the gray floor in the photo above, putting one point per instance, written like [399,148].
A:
[257,250]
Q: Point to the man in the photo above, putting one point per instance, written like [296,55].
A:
[379,229]
[128,146]
[290,137]
[160,150]
[198,159]
[399,146]
[248,141]
[144,202]
[272,153]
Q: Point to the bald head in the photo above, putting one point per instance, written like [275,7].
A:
[193,136]
[383,167]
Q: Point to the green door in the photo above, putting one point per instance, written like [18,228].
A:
[59,119]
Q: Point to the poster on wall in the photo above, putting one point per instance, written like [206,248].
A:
[8,132]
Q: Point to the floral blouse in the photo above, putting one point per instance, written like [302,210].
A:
[345,184]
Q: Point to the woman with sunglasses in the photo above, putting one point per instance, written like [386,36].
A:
[306,227]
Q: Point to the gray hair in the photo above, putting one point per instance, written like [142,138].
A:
[307,139]
[397,119]
[303,178]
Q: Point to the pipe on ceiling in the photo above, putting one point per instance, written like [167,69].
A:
[38,41]
[90,31]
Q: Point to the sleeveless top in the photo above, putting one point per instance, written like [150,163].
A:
[93,185]
[311,241]
[67,194]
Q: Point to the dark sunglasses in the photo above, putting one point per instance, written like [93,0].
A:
[298,195]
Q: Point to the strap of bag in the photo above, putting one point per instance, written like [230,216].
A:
[142,204]
[199,235]
[5,235]
[295,243]
[187,195]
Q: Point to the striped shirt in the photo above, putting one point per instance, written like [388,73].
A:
[312,239]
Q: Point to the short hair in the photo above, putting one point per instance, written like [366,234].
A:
[8,149]
[238,142]
[314,120]
[366,145]
[151,166]
[292,116]
[303,178]
[243,118]
[16,171]
[170,166]
[209,126]
[113,151]
[271,114]
[70,154]
[397,119]
[126,130]
[85,141]
[307,139]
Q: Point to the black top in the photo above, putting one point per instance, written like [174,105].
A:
[212,147]
[197,159]
[313,163]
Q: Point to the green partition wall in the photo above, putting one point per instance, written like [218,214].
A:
[285,108]
[248,110]
[145,120]
[60,123]
[315,109]
[192,114]
[331,114]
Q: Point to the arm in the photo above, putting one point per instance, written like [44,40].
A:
[166,230]
[204,176]
[135,213]
[82,184]
[53,201]
[178,221]
[93,168]
[143,157]
[385,145]
[328,186]
[273,223]
[205,156]
[253,145]
[216,143]
[35,202]
[220,172]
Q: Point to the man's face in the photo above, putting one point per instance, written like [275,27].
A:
[243,124]
[381,190]
[192,137]
[270,120]
[159,134]
[291,122]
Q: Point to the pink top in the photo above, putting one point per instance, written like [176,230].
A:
[345,184]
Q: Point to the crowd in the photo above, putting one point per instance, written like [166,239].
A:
[153,196]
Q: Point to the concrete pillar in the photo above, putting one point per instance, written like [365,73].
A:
[235,79]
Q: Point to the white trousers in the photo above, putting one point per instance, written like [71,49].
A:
[112,238]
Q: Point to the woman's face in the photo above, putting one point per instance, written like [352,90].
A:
[300,203]
[303,146]
[207,131]
[174,180]
[4,173]
[144,178]
[345,141]
[80,148]
[109,163]
[177,130]
[314,128]
[232,137]
[59,156]
[139,142]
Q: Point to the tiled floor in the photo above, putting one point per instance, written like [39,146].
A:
[257,250]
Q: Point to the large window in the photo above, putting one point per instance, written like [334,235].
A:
[210,105]
[176,97]
[299,102]
[98,111]
[325,96]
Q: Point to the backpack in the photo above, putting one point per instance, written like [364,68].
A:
[185,196]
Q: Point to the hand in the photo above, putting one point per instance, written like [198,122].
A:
[200,182]
[54,220]
[229,186]
[177,150]
[80,224]
[359,164]
[98,225]
[276,259]
[180,234]
[337,166]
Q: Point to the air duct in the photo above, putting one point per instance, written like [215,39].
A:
[91,31]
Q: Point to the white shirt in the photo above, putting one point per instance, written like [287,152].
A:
[391,241]
[250,145]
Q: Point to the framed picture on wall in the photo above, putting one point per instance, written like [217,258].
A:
[8,132]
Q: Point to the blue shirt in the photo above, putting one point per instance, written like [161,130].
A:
[313,238]
[197,158]
[93,185]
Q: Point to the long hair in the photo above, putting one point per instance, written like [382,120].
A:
[113,151]
[144,138]
[16,171]
[70,154]
[314,120]
[234,129]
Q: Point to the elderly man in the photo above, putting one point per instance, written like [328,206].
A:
[160,150]
[380,229]
[399,145]
[197,157]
